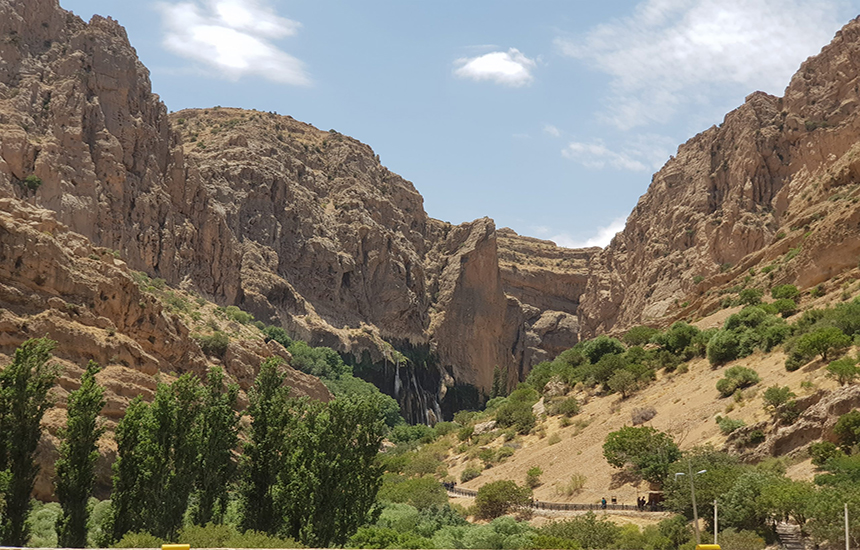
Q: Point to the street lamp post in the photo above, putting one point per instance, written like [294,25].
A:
[693,498]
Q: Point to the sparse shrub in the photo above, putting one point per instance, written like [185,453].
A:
[728,425]
[642,415]
[533,477]
[516,414]
[844,370]
[737,377]
[469,473]
[567,407]
[213,345]
[847,429]
[785,292]
[785,307]
[553,439]
[573,486]
[751,296]
[698,279]
[775,397]
[822,451]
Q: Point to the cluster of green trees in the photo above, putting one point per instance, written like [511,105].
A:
[622,367]
[308,470]
[822,333]
[327,365]
[751,498]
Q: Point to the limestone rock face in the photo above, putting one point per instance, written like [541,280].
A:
[54,282]
[300,227]
[778,174]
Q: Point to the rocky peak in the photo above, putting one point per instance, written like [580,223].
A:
[729,194]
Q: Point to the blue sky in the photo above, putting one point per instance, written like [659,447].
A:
[549,116]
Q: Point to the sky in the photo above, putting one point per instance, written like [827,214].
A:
[548,116]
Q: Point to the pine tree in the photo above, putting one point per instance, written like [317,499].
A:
[78,455]
[219,439]
[24,387]
[262,453]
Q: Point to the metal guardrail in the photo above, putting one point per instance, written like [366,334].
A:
[562,506]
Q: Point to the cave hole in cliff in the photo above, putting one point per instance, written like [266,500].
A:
[345,279]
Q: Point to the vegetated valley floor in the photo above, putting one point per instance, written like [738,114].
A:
[686,404]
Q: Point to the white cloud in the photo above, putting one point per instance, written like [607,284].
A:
[235,37]
[552,130]
[510,68]
[645,153]
[602,236]
[675,53]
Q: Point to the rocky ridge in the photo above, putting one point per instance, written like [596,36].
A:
[300,227]
[775,185]
[54,282]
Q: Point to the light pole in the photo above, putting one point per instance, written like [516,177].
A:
[693,497]
[715,521]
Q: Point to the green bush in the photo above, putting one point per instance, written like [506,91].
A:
[730,539]
[595,349]
[639,336]
[751,296]
[31,182]
[214,345]
[277,334]
[737,377]
[533,477]
[776,396]
[499,497]
[822,451]
[785,307]
[469,473]
[649,451]
[723,347]
[728,425]
[419,492]
[139,540]
[516,414]
[589,531]
[785,292]
[404,433]
[566,407]
[844,370]
[847,429]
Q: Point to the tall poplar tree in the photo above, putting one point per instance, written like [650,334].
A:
[218,441]
[78,455]
[262,460]
[24,387]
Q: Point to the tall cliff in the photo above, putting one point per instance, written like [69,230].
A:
[778,175]
[301,227]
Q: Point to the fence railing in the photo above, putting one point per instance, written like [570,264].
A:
[563,506]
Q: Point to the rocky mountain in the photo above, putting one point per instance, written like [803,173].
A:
[775,186]
[300,227]
[306,229]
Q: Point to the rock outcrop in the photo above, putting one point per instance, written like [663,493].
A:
[301,227]
[54,282]
[774,185]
